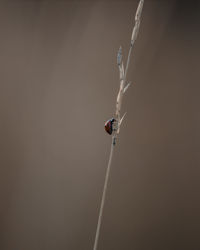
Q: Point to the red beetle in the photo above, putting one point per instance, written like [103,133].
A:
[109,126]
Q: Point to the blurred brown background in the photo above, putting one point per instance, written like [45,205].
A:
[58,85]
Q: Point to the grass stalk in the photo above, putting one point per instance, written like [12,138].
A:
[123,87]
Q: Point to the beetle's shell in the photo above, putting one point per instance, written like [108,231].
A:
[109,126]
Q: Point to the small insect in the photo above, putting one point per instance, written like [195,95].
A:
[109,126]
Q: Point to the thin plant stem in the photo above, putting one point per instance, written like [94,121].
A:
[127,64]
[118,121]
[104,194]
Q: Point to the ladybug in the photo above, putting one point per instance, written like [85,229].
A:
[109,126]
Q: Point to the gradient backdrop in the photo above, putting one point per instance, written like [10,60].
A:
[58,85]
